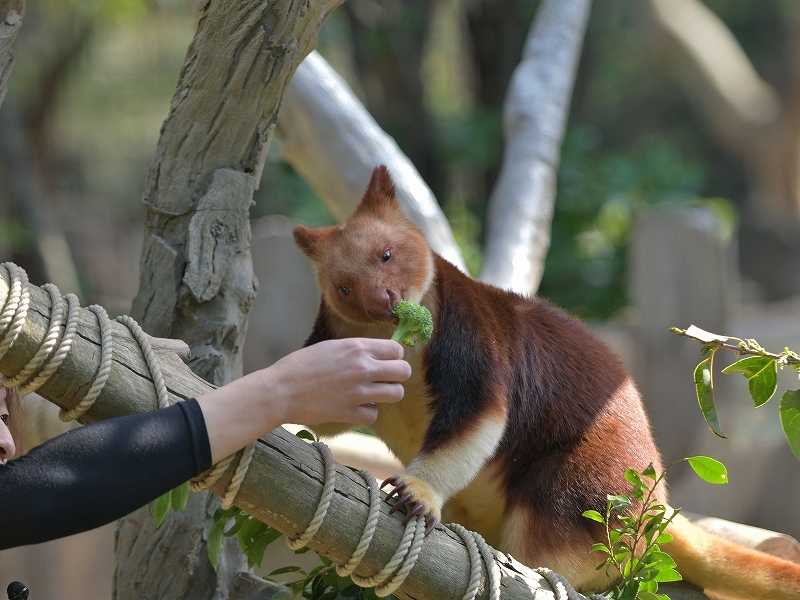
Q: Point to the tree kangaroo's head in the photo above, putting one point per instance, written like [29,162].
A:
[376,258]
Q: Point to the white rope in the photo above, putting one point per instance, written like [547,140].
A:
[324,502]
[106,359]
[16,309]
[373,516]
[64,347]
[562,588]
[49,340]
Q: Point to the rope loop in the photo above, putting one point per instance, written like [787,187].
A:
[103,370]
[15,311]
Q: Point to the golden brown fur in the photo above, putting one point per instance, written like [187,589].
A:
[517,418]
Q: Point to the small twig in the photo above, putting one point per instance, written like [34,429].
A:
[748,346]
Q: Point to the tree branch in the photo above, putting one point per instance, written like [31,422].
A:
[715,71]
[333,142]
[535,115]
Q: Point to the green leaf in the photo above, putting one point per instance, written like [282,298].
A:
[600,548]
[305,434]
[666,575]
[643,595]
[180,496]
[629,591]
[708,469]
[650,472]
[255,549]
[214,543]
[661,560]
[762,373]
[619,502]
[162,507]
[287,594]
[664,538]
[250,530]
[704,385]
[633,477]
[648,586]
[790,419]
[282,570]
[647,576]
[594,516]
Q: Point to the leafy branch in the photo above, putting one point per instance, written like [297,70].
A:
[758,366]
[633,546]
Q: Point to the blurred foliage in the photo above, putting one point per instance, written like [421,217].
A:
[599,190]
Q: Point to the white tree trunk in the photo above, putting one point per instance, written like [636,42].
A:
[535,116]
[332,141]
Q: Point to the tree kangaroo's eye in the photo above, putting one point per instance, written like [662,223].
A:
[386,256]
[345,290]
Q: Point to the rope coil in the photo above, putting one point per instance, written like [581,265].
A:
[52,353]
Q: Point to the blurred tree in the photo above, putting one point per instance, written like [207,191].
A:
[754,119]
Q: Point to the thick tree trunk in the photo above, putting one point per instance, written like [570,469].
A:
[196,280]
[11,13]
[535,117]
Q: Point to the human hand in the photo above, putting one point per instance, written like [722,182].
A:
[339,381]
[335,381]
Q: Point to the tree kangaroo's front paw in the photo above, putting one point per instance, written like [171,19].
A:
[419,496]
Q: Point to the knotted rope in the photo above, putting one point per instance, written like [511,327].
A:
[51,354]
[392,576]
[53,351]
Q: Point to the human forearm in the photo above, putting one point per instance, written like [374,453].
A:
[98,473]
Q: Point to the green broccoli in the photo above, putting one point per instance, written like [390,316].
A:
[416,323]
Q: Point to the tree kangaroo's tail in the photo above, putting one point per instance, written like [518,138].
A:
[728,569]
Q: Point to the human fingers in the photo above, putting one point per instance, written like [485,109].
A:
[382,349]
[363,414]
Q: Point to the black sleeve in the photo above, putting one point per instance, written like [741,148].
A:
[96,474]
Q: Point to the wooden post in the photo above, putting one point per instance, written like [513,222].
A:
[682,271]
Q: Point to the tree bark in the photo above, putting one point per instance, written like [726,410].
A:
[11,14]
[333,142]
[535,116]
[196,279]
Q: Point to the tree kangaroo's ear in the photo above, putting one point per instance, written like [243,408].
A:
[380,197]
[312,242]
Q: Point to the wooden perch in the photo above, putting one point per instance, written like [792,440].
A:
[284,482]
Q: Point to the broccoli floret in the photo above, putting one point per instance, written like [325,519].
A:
[416,323]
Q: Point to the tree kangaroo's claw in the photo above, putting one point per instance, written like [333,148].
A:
[389,481]
[416,511]
[402,501]
[430,524]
